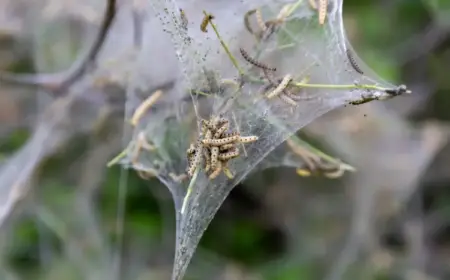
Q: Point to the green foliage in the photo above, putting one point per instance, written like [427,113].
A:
[14,141]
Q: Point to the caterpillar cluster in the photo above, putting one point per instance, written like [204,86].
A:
[266,27]
[216,147]
[282,89]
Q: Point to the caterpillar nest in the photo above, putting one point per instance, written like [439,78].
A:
[216,146]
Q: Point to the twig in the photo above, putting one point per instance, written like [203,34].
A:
[225,47]
[59,82]
[292,8]
[189,190]
[330,86]
[59,124]
[137,27]
[117,158]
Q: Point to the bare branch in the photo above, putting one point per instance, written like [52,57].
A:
[60,123]
[60,82]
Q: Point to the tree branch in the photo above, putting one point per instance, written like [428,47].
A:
[60,82]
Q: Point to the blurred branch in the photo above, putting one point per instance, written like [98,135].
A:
[66,118]
[421,44]
[362,220]
[94,161]
[60,82]
[138,18]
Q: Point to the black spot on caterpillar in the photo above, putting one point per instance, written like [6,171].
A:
[206,19]
[353,63]
[255,62]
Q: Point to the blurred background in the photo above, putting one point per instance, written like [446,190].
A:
[59,203]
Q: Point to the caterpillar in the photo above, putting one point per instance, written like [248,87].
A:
[271,26]
[214,122]
[178,178]
[146,174]
[284,83]
[191,150]
[328,166]
[208,134]
[227,171]
[232,134]
[260,20]
[206,19]
[204,126]
[335,173]
[286,99]
[216,171]
[248,139]
[221,130]
[353,63]
[254,62]
[303,172]
[217,122]
[229,155]
[141,143]
[145,106]
[322,11]
[207,125]
[222,121]
[220,142]
[226,147]
[214,155]
[207,159]
[190,154]
[247,21]
[145,144]
[196,160]
[285,95]
[270,78]
[296,97]
[191,167]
